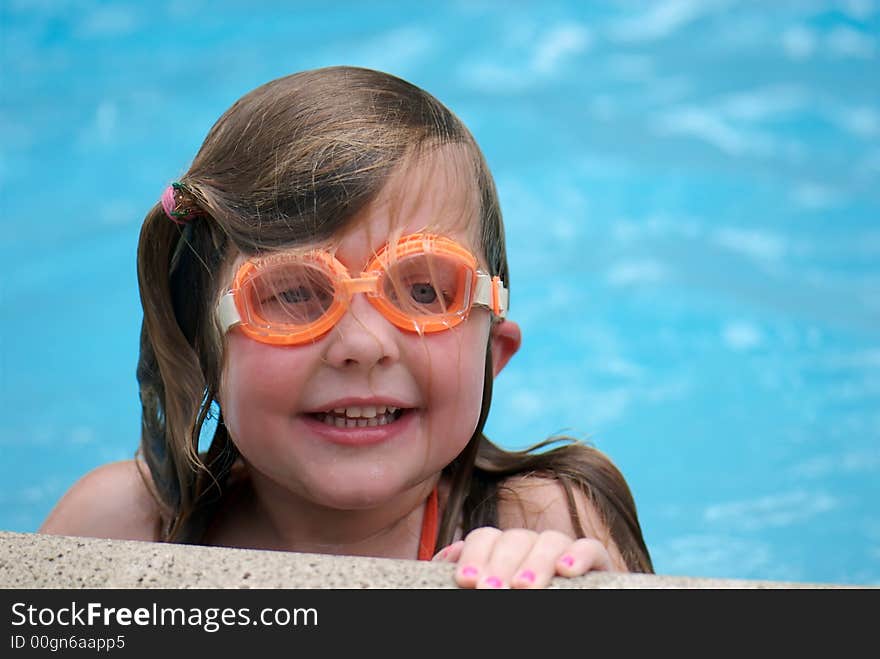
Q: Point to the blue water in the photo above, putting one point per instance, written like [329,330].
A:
[691,197]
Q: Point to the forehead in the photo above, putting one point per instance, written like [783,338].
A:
[434,192]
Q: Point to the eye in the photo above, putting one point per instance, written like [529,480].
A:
[295,295]
[301,296]
[290,295]
[423,293]
[423,284]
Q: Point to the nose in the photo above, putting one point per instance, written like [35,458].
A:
[363,337]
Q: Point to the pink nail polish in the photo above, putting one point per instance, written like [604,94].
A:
[527,575]
[493,582]
[567,560]
[468,571]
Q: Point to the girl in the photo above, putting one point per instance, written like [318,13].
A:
[329,280]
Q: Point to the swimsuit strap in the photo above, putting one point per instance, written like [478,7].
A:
[429,528]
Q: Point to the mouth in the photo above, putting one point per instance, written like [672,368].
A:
[367,416]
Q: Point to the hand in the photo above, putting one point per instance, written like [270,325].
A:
[520,558]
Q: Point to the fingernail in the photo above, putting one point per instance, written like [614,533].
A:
[527,575]
[567,560]
[468,571]
[493,582]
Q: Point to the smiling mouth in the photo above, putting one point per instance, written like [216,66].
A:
[360,417]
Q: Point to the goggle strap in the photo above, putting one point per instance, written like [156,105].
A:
[490,292]
[227,314]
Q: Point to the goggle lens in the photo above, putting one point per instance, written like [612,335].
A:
[290,294]
[427,285]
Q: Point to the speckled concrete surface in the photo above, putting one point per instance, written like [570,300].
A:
[30,560]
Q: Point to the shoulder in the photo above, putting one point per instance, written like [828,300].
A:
[540,504]
[112,501]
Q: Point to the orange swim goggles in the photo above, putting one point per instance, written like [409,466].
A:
[422,283]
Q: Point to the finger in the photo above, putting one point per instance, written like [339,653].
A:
[475,555]
[582,556]
[450,553]
[508,553]
[539,567]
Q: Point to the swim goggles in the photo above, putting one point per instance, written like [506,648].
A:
[422,283]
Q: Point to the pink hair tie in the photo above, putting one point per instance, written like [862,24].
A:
[169,205]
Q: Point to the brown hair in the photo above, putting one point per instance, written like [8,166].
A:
[293,162]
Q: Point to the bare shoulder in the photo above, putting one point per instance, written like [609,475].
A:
[541,504]
[111,501]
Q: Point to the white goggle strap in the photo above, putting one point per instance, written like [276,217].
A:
[490,292]
[227,314]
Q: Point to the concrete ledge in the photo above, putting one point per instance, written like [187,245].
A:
[29,560]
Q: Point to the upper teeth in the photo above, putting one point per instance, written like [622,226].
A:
[364,412]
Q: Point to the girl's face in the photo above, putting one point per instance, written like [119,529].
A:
[275,399]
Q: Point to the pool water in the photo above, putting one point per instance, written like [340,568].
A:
[691,197]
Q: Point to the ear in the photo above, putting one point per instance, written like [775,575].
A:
[505,339]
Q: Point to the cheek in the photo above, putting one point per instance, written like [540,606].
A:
[259,383]
[456,364]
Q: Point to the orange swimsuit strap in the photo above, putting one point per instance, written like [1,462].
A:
[429,528]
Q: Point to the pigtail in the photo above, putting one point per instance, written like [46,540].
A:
[166,389]
[479,472]
[179,366]
[577,467]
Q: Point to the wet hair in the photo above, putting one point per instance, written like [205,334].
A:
[292,163]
